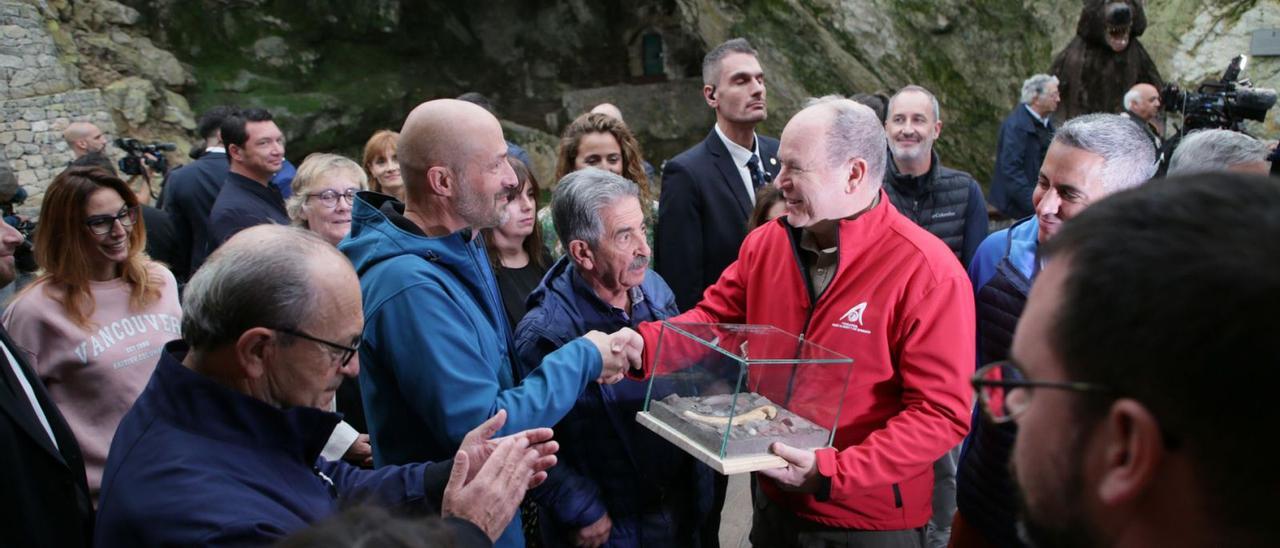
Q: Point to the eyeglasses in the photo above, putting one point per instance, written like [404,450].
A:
[1005,393]
[329,198]
[347,352]
[102,224]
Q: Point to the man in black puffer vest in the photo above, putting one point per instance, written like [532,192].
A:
[946,202]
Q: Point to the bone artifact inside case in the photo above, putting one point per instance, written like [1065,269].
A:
[726,392]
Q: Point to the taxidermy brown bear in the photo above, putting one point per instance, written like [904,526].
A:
[1104,59]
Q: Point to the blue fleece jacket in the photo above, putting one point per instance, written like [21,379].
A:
[435,358]
[654,493]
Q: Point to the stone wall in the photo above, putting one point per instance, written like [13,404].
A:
[28,56]
[31,133]
[38,100]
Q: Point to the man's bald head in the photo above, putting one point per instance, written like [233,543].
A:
[83,138]
[608,109]
[443,133]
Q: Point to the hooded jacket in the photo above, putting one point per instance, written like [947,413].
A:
[655,494]
[435,356]
[901,306]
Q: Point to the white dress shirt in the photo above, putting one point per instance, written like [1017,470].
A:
[740,158]
[31,394]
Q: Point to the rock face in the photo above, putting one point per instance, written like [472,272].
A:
[335,72]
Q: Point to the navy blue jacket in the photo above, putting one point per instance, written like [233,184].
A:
[702,215]
[655,494]
[1022,143]
[188,197]
[194,463]
[243,203]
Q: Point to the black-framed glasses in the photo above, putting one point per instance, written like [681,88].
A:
[1004,391]
[347,352]
[329,198]
[102,224]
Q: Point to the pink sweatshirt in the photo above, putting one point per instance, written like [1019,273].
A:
[94,375]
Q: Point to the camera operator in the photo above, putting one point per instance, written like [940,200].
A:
[12,195]
[1224,104]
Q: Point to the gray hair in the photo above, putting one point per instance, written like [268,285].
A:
[578,199]
[1215,150]
[259,278]
[313,167]
[937,112]
[1128,158]
[855,132]
[1034,86]
[711,63]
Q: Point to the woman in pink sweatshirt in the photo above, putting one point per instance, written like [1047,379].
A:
[94,323]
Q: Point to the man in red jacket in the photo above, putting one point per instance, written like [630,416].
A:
[845,269]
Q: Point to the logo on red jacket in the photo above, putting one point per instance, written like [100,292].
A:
[852,320]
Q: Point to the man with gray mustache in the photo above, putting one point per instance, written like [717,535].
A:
[615,483]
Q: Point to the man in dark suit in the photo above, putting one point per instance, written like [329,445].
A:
[709,190]
[190,191]
[1023,140]
[44,498]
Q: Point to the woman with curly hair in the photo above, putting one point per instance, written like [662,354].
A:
[600,141]
[94,322]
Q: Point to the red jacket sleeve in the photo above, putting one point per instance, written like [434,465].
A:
[723,302]
[935,345]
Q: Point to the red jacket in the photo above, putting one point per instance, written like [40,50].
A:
[908,399]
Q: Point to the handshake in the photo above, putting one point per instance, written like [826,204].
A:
[620,351]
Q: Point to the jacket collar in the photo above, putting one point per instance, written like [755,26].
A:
[267,193]
[911,185]
[857,233]
[199,405]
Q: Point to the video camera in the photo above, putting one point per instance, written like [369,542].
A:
[1224,104]
[136,154]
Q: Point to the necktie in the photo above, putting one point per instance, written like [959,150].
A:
[758,178]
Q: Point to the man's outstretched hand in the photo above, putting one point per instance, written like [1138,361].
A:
[619,351]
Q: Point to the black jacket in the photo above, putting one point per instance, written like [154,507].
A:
[44,498]
[243,203]
[946,202]
[702,215]
[188,198]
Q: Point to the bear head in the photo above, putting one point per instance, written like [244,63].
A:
[1112,23]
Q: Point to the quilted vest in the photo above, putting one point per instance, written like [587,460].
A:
[984,489]
[936,201]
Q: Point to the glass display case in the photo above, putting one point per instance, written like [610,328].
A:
[725,392]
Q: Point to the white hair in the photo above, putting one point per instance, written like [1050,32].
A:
[1215,150]
[855,132]
[1034,86]
[1132,97]
[1128,157]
